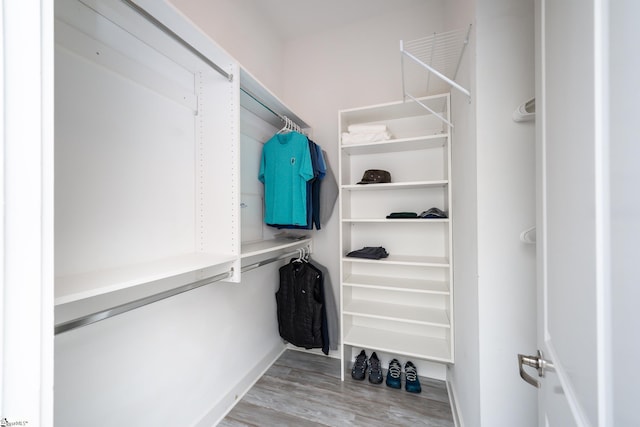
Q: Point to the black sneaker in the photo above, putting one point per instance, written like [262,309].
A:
[375,369]
[394,374]
[412,383]
[359,366]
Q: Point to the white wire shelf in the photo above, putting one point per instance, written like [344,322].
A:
[440,54]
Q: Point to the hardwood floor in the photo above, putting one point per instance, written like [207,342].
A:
[303,389]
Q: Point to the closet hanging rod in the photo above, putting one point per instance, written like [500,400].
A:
[132,305]
[269,109]
[307,248]
[177,38]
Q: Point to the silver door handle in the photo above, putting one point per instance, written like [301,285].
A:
[538,362]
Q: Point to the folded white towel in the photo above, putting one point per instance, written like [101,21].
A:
[360,138]
[367,128]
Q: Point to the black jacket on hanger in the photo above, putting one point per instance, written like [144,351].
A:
[300,305]
[330,308]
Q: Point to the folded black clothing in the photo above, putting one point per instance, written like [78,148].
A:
[393,215]
[369,252]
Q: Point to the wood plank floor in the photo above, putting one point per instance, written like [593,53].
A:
[303,389]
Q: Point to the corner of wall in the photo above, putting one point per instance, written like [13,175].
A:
[453,401]
[225,404]
[463,378]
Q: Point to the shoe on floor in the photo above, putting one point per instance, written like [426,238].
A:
[394,374]
[359,366]
[412,383]
[375,369]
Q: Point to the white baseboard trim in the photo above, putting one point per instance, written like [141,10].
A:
[226,403]
[455,410]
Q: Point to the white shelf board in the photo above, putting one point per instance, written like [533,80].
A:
[397,220]
[420,261]
[268,246]
[396,185]
[436,349]
[395,145]
[399,284]
[85,285]
[398,312]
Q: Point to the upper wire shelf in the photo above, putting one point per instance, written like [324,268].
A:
[440,54]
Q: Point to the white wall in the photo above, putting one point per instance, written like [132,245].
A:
[464,376]
[625,208]
[239,28]
[494,195]
[506,207]
[26,215]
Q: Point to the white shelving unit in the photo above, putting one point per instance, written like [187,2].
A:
[402,304]
[149,197]
[146,155]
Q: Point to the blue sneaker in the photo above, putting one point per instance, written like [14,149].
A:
[394,374]
[359,368]
[412,383]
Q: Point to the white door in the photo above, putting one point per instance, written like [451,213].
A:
[571,212]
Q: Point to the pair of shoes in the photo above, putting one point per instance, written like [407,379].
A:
[394,376]
[361,366]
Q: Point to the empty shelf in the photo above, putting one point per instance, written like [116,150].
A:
[437,349]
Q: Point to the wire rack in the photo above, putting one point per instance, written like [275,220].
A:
[440,55]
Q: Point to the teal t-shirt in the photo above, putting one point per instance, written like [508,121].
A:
[285,168]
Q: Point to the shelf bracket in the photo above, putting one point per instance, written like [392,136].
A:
[426,107]
[439,54]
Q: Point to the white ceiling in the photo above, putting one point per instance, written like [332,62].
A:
[291,18]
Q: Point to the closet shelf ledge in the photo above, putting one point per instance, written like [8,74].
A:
[76,287]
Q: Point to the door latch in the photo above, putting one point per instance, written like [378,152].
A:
[538,362]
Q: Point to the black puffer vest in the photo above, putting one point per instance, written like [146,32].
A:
[299,300]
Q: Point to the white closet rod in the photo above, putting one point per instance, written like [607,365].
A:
[301,252]
[284,119]
[146,15]
[132,305]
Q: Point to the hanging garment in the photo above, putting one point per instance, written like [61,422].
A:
[285,168]
[313,191]
[324,327]
[330,306]
[316,186]
[329,194]
[300,306]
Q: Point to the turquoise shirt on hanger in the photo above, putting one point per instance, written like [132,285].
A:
[285,168]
